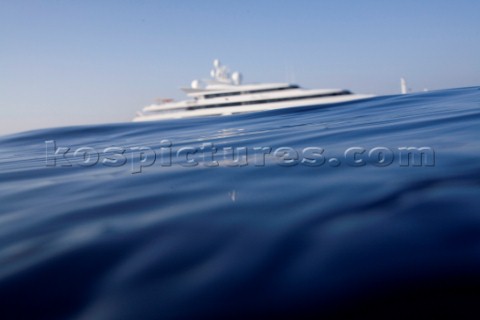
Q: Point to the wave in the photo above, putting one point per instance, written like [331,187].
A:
[363,226]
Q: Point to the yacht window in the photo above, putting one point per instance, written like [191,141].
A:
[227,94]
[233,104]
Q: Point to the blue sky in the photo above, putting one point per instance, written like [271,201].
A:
[80,62]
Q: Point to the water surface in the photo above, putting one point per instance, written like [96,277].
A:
[183,242]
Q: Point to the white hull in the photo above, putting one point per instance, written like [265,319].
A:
[224,111]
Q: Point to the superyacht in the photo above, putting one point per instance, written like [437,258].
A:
[224,94]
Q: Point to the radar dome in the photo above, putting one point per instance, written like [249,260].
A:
[216,63]
[197,84]
[237,78]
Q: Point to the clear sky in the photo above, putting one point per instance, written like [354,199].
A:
[82,62]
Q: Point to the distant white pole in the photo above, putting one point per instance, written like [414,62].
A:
[403,85]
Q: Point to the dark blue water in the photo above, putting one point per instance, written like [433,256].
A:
[384,234]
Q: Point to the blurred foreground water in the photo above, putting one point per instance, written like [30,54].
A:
[329,238]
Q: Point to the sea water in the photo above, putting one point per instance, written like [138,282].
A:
[370,206]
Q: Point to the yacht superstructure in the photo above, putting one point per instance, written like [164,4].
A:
[224,94]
